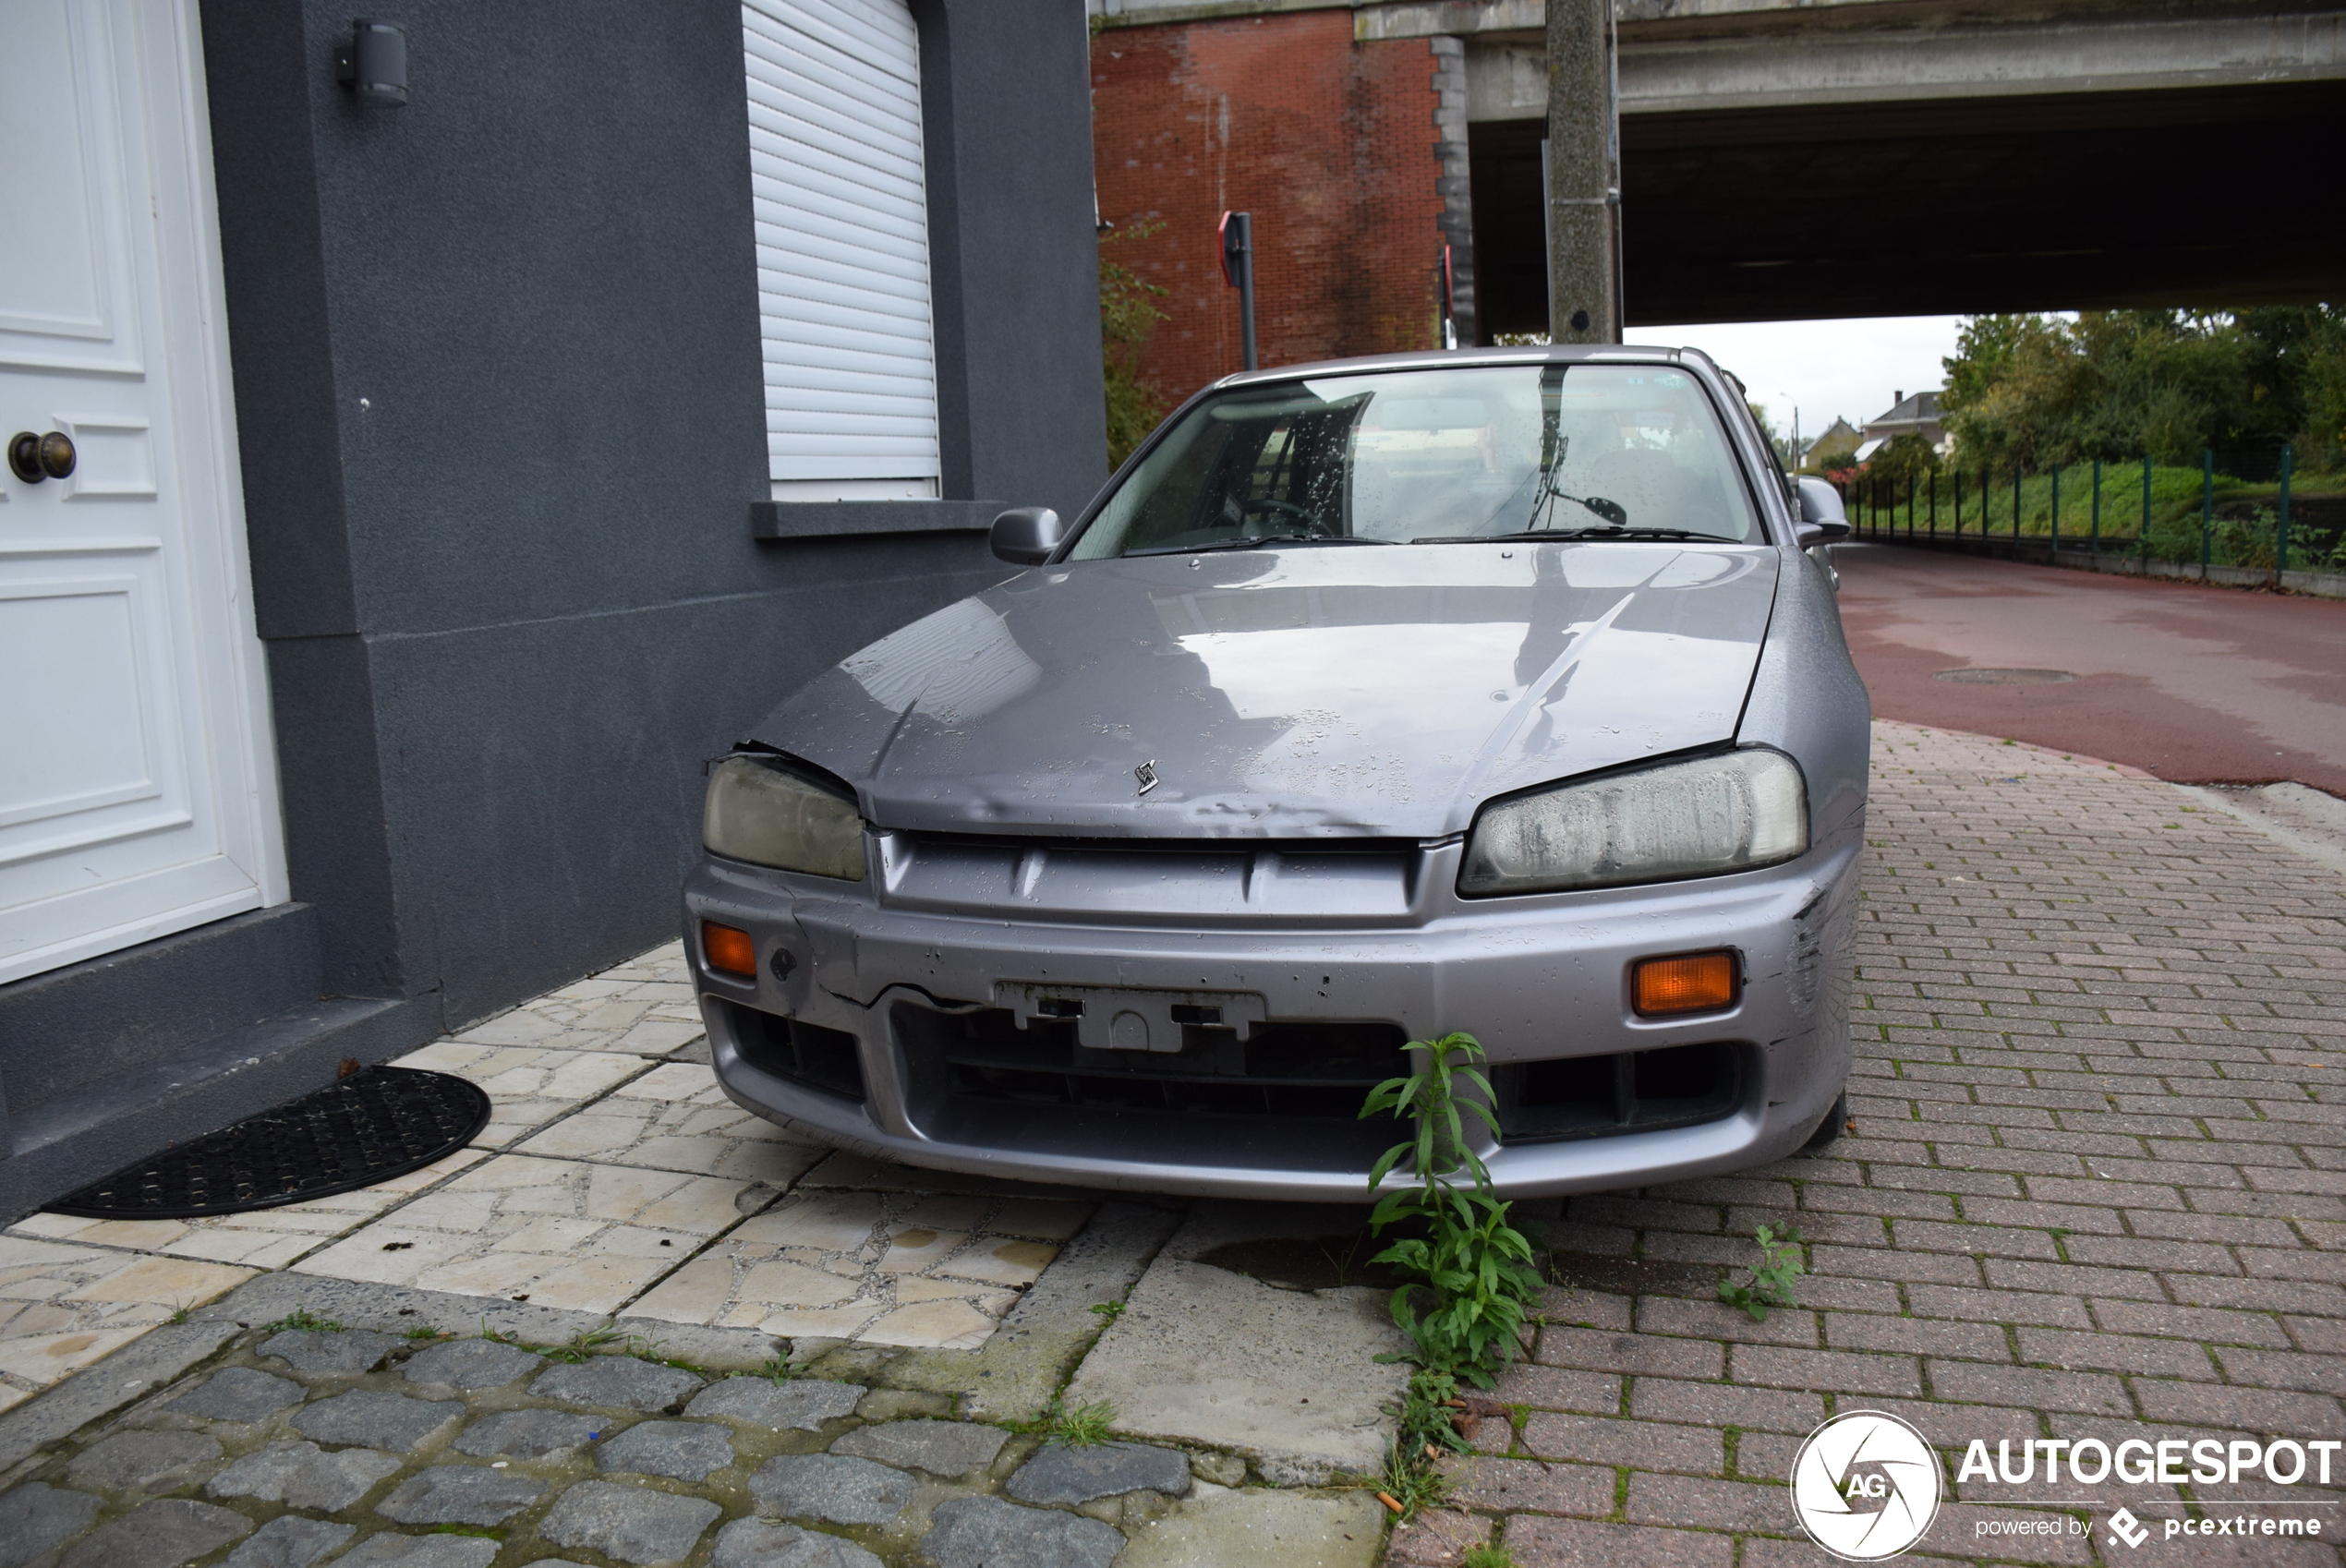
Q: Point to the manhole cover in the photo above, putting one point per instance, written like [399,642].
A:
[377,1124]
[2004,677]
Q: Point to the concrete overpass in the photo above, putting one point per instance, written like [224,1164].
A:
[1793,158]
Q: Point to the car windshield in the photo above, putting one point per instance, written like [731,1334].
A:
[1584,451]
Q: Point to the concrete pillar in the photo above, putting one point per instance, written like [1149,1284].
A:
[1454,183]
[1584,174]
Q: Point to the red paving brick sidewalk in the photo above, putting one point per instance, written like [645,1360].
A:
[2096,1189]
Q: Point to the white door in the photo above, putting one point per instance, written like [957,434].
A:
[138,794]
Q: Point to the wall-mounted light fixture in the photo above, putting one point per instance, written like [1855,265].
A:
[374,63]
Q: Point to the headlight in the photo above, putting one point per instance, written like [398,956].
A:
[769,817]
[1698,818]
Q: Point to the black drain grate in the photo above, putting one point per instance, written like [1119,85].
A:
[1976,677]
[377,1124]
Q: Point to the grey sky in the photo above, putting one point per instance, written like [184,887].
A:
[1847,367]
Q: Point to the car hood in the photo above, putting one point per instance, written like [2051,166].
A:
[1325,691]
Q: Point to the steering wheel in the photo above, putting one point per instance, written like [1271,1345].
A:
[1301,514]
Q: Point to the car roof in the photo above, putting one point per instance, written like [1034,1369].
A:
[1451,358]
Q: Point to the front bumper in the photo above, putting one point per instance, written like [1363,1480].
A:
[1534,979]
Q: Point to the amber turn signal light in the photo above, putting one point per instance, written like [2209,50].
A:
[728,951]
[1685,982]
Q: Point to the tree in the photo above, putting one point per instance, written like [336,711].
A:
[2122,384]
[1126,318]
[1778,441]
[1903,457]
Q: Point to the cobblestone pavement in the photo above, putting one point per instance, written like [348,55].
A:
[456,1452]
[2093,1191]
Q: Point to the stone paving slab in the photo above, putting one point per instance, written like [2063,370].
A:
[1288,1378]
[528,1086]
[564,1232]
[645,1006]
[264,1238]
[65,1306]
[676,1119]
[1014,1375]
[917,1269]
[1218,1526]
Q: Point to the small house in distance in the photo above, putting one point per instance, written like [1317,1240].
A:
[1916,414]
[1836,447]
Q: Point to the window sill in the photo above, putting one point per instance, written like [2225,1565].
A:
[836,519]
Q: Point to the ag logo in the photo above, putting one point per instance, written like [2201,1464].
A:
[1866,1485]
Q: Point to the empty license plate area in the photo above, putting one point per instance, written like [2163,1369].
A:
[1112,1019]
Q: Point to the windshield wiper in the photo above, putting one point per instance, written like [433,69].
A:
[1617,532]
[1554,445]
[1254,541]
[1580,534]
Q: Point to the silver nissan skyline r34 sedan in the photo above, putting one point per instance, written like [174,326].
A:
[1500,691]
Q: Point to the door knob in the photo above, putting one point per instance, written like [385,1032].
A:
[35,457]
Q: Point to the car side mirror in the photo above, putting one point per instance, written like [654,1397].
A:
[1025,535]
[1822,519]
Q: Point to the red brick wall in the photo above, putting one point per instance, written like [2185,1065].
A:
[1329,143]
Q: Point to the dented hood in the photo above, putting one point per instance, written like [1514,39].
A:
[1327,692]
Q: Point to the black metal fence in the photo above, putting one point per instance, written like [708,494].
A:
[2160,512]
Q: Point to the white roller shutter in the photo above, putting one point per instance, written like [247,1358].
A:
[842,247]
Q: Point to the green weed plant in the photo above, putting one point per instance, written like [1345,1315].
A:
[1081,1426]
[1427,1415]
[1467,1273]
[582,1344]
[1472,1268]
[304,1320]
[1770,1281]
[1409,1482]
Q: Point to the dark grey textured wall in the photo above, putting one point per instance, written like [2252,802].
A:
[1007,87]
[501,405]
[501,419]
[77,1027]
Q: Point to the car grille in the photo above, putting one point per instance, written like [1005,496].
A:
[1287,1098]
[1626,1091]
[805,1054]
[1285,1069]
[1327,882]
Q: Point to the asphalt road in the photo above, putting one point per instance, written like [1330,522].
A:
[2194,684]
